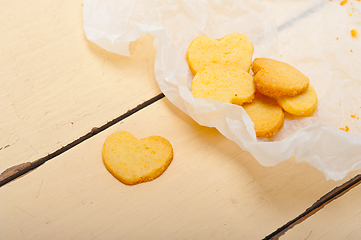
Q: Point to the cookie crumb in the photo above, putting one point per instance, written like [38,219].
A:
[346,129]
[354,33]
[354,116]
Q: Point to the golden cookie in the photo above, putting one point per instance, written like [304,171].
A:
[233,49]
[267,116]
[302,105]
[228,85]
[134,161]
[278,79]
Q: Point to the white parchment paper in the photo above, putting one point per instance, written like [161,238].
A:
[313,36]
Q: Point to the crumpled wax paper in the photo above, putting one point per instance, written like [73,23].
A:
[313,36]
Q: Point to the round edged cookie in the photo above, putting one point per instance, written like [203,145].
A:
[266,114]
[228,85]
[233,49]
[278,79]
[134,161]
[301,105]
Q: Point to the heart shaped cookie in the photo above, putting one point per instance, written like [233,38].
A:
[134,161]
[267,116]
[233,49]
[228,85]
[302,105]
[278,79]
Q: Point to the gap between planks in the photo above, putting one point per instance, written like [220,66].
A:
[317,206]
[19,170]
[24,168]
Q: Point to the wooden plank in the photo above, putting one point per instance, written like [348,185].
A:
[212,190]
[55,85]
[317,206]
[339,219]
[16,171]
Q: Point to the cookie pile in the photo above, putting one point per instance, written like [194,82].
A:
[221,71]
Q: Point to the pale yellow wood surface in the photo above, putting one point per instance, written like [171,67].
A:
[339,219]
[55,85]
[212,190]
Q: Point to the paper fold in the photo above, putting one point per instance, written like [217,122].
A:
[315,42]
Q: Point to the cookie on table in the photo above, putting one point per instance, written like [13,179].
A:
[302,105]
[228,85]
[278,79]
[233,49]
[134,161]
[266,114]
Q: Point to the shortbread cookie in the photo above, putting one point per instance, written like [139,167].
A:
[233,49]
[266,114]
[302,105]
[278,79]
[228,85]
[134,161]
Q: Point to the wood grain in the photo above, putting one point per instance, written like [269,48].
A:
[16,171]
[212,189]
[317,206]
[56,88]
[339,218]
[55,85]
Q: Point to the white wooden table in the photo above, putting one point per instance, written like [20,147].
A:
[56,86]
